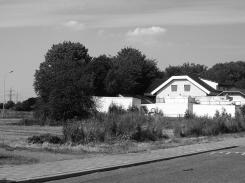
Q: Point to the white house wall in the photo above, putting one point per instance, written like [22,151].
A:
[166,91]
[103,103]
[210,110]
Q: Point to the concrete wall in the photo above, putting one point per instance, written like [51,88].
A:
[210,110]
[166,91]
[168,109]
[214,100]
[238,100]
[103,103]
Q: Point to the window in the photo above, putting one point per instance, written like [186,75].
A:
[173,88]
[160,100]
[187,87]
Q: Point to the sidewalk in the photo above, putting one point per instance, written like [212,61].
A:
[69,168]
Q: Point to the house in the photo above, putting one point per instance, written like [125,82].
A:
[185,86]
[179,94]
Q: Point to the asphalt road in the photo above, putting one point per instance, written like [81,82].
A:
[219,166]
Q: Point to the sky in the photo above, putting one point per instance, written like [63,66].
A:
[170,31]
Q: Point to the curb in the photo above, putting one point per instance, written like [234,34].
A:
[109,168]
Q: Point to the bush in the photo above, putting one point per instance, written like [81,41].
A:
[114,127]
[203,126]
[243,110]
[40,139]
[113,108]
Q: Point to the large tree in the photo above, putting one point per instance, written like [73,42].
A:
[62,83]
[132,73]
[98,68]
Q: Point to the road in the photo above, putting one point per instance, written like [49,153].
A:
[220,166]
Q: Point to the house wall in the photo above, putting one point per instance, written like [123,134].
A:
[210,110]
[103,103]
[166,91]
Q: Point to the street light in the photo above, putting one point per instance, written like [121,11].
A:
[4,100]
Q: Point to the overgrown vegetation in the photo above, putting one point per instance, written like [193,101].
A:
[204,126]
[113,127]
[40,139]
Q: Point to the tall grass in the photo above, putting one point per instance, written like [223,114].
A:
[204,126]
[113,127]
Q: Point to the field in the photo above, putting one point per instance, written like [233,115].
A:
[15,149]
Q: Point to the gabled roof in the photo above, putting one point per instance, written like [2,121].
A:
[193,79]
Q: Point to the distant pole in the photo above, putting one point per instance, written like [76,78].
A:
[4,99]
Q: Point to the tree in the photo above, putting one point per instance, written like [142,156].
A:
[186,69]
[26,105]
[9,105]
[132,73]
[62,84]
[231,73]
[99,67]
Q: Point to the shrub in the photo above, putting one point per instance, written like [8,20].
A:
[40,139]
[243,110]
[113,108]
[189,115]
[204,126]
[113,127]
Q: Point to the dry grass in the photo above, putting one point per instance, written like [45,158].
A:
[8,159]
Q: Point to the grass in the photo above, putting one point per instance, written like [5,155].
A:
[116,132]
[8,159]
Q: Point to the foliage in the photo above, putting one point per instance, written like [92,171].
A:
[243,110]
[98,68]
[131,73]
[186,69]
[113,108]
[26,105]
[113,127]
[203,126]
[231,73]
[62,83]
[189,115]
[9,105]
[48,138]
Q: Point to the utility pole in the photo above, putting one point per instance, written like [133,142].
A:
[10,94]
[16,96]
[4,99]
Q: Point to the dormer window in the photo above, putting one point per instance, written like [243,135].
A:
[187,88]
[173,88]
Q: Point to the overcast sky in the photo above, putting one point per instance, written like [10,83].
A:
[170,31]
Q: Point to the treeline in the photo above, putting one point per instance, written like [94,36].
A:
[68,78]
[26,105]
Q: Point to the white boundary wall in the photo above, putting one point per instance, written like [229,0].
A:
[210,110]
[168,109]
[103,103]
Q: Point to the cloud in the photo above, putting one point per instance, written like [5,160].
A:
[150,31]
[148,36]
[75,25]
